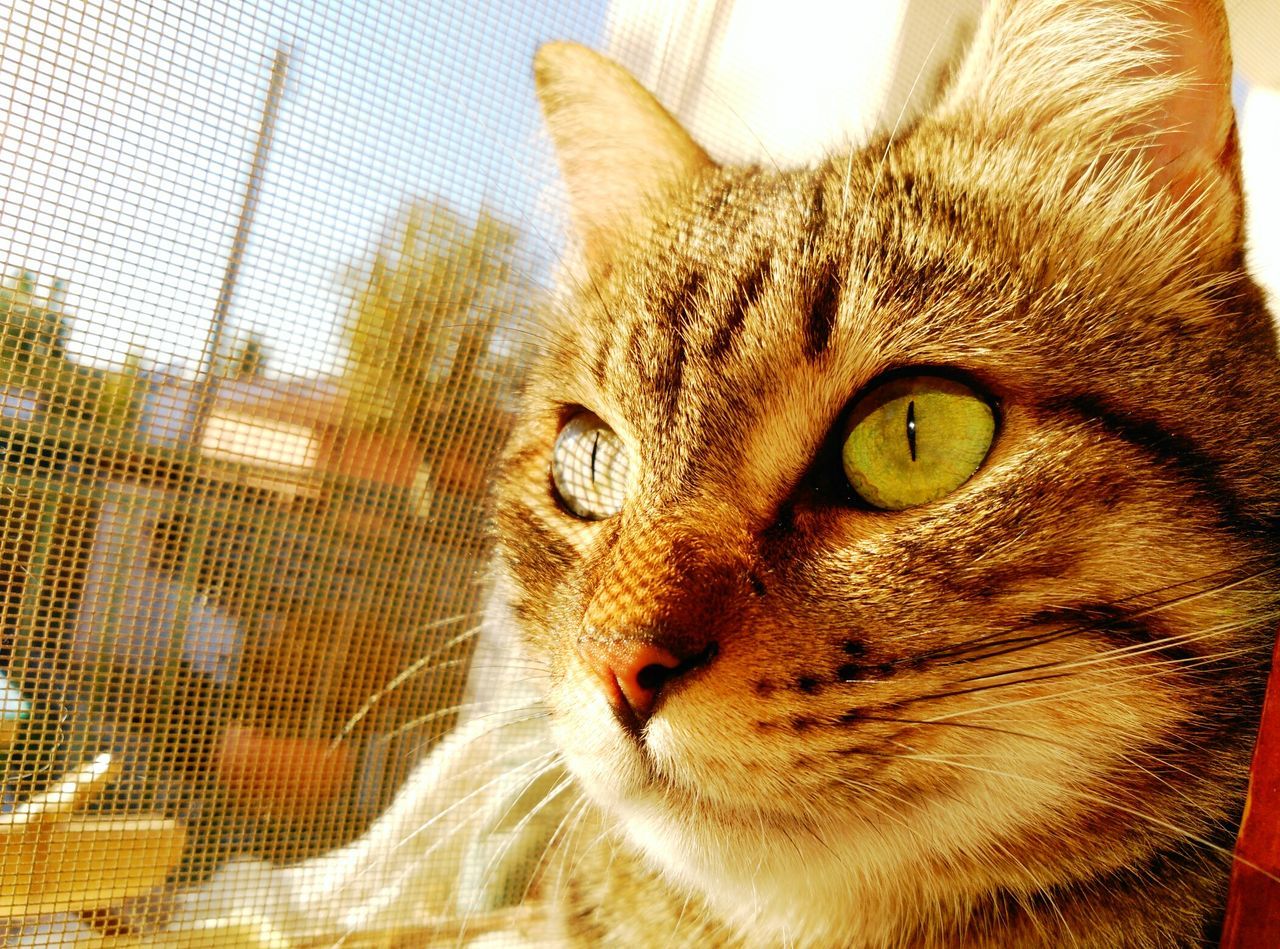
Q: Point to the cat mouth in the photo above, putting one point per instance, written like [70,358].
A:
[631,725]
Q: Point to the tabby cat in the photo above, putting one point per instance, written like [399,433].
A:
[898,534]
[895,540]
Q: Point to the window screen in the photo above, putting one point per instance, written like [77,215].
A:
[270,275]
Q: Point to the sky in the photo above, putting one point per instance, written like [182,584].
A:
[129,126]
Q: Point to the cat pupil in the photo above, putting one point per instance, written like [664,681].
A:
[911,428]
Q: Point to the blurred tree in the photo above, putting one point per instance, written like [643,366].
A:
[34,331]
[119,395]
[246,357]
[33,334]
[422,320]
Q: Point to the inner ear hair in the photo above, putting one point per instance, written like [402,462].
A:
[1145,83]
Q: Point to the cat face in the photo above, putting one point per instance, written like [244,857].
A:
[1011,641]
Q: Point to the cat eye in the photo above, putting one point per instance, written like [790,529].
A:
[589,466]
[914,439]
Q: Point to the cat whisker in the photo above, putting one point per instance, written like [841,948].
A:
[861,752]
[993,754]
[415,865]
[1161,667]
[497,858]
[1143,648]
[430,822]
[953,693]
[725,104]
[971,725]
[960,651]
[1018,644]
[387,858]
[893,134]
[453,709]
[405,675]
[1134,649]
[684,908]
[1173,788]
[571,816]
[568,846]
[874,796]
[510,664]
[1166,763]
[1057,787]
[1119,652]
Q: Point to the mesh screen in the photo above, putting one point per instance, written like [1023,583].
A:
[268,276]
[271,275]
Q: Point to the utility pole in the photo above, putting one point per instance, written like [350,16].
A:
[207,381]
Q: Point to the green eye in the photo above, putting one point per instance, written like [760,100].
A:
[915,439]
[589,466]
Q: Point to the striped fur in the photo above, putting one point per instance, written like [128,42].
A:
[1021,714]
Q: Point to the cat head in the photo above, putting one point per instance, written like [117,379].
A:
[902,530]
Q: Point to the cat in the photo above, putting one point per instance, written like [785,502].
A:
[896,537]
[819,695]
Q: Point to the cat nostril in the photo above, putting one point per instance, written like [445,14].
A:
[653,676]
[632,674]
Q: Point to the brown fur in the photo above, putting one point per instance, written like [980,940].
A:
[1019,715]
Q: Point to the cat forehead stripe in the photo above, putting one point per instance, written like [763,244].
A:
[824,301]
[720,345]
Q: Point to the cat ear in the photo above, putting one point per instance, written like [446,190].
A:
[619,150]
[1144,82]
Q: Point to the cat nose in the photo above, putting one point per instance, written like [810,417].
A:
[633,674]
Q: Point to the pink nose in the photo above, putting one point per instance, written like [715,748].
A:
[632,674]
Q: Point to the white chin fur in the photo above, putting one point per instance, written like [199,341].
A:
[844,874]
[767,883]
[759,880]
